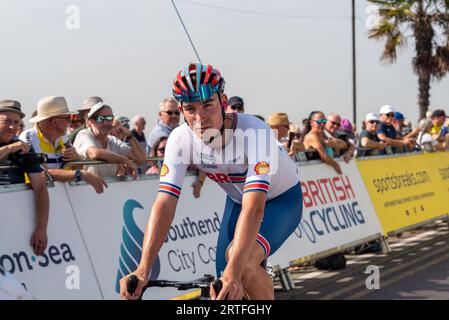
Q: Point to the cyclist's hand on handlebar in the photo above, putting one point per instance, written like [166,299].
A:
[124,294]
[232,289]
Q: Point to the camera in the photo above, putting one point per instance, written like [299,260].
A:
[20,159]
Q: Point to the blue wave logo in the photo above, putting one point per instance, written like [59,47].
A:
[131,247]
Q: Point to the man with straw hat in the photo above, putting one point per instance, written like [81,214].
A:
[49,136]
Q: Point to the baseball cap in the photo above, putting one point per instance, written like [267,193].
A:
[235,101]
[95,108]
[386,109]
[438,113]
[398,116]
[372,117]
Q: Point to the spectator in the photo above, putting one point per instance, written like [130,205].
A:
[314,139]
[293,143]
[439,130]
[83,111]
[369,143]
[48,136]
[280,124]
[399,124]
[137,131]
[21,128]
[75,122]
[426,141]
[169,115]
[387,133]
[235,104]
[158,151]
[339,141]
[16,152]
[124,121]
[95,143]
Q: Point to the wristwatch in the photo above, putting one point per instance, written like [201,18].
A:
[78,175]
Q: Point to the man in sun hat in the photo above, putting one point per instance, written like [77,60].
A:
[23,162]
[49,137]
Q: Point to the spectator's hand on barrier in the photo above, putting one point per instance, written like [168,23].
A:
[70,154]
[132,168]
[39,241]
[347,157]
[338,168]
[20,146]
[124,294]
[152,170]
[197,185]
[94,180]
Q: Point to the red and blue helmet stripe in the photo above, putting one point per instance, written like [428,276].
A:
[207,82]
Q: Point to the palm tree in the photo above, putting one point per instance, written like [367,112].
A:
[427,23]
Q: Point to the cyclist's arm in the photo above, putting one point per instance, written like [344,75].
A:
[161,218]
[248,225]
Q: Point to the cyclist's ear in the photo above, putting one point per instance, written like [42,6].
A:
[224,101]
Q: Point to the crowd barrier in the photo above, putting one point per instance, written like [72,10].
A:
[95,239]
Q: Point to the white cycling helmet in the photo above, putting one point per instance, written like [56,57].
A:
[11,289]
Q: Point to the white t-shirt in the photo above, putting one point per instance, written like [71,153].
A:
[86,139]
[424,138]
[256,163]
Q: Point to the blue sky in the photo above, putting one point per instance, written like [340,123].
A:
[297,59]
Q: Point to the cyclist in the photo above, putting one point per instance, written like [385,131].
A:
[264,199]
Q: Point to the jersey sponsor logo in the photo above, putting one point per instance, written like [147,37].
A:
[164,170]
[228,178]
[262,167]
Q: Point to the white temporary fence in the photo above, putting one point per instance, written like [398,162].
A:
[95,239]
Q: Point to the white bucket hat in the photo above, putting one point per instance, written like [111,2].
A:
[51,107]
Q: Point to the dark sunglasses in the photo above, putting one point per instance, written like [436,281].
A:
[337,124]
[373,122]
[101,119]
[170,113]
[390,115]
[321,121]
[161,149]
[237,106]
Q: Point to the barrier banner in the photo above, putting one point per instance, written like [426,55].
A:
[64,270]
[404,190]
[336,211]
[113,226]
[439,164]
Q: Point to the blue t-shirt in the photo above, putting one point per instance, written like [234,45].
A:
[391,133]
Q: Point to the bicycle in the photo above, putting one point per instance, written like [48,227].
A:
[201,283]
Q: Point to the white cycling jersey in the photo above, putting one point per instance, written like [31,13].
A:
[251,160]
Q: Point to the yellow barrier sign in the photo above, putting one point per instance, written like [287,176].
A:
[406,190]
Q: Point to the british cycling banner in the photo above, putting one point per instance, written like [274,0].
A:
[336,211]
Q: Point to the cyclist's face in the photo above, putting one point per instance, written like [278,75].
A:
[204,115]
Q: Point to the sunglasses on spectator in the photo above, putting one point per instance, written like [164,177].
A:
[161,149]
[321,121]
[101,119]
[390,115]
[237,106]
[337,124]
[170,113]
[373,122]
